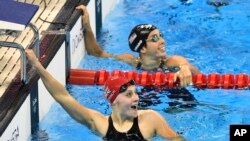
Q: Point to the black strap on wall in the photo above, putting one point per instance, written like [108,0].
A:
[34,108]
[98,11]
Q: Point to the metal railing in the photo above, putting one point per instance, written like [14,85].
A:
[34,44]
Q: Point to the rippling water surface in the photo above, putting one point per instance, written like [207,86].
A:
[212,36]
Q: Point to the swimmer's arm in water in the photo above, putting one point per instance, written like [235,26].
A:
[161,127]
[86,116]
[127,58]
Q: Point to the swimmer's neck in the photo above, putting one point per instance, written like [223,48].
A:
[150,63]
[121,119]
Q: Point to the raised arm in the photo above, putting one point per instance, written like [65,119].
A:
[86,116]
[91,44]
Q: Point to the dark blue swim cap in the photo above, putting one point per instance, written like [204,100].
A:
[139,34]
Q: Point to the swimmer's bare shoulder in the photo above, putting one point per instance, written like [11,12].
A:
[151,123]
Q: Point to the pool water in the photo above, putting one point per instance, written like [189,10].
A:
[215,39]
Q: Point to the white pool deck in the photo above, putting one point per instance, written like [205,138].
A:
[10,57]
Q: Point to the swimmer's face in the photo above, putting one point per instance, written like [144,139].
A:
[127,102]
[155,45]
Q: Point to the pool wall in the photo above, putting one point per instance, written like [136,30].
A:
[20,127]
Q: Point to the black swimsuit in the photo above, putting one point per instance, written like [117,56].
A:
[162,67]
[133,134]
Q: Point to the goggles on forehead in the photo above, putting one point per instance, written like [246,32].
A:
[155,38]
[125,86]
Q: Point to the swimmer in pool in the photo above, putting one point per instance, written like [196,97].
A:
[126,122]
[147,40]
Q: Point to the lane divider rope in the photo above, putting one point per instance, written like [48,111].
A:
[210,81]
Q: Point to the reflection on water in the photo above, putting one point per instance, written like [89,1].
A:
[178,98]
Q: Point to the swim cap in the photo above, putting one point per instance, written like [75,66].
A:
[139,34]
[112,87]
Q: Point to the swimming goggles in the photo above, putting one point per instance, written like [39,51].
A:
[155,38]
[124,87]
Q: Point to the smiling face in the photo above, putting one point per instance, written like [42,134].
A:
[155,45]
[127,102]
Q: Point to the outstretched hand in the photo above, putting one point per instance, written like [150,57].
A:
[31,56]
[85,16]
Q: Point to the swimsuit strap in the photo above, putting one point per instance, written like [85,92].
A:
[139,64]
[162,67]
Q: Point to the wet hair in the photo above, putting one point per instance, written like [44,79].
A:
[138,35]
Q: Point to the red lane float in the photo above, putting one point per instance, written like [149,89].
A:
[211,81]
[82,77]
